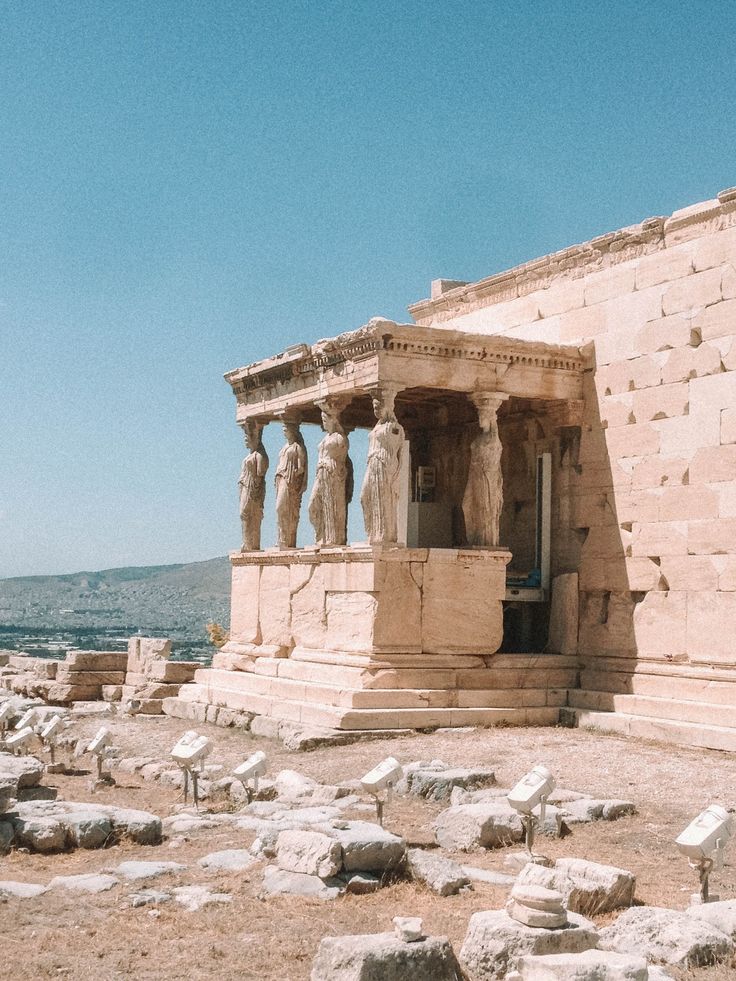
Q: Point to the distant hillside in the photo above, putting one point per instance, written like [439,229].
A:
[174,599]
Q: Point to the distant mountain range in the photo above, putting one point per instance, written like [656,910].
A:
[176,600]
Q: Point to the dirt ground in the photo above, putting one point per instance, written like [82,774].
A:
[63,934]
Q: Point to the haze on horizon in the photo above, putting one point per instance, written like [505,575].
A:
[190,187]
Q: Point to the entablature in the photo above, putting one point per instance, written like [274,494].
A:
[403,356]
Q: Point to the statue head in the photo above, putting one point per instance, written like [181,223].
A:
[252,433]
[291,432]
[383,404]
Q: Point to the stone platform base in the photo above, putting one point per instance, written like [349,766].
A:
[349,692]
[684,704]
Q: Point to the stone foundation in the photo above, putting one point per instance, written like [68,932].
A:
[377,638]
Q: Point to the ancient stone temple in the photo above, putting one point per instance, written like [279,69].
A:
[549,502]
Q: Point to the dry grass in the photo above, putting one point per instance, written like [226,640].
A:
[101,937]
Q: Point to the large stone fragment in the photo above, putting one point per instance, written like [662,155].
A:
[291,785]
[229,860]
[87,829]
[495,942]
[86,882]
[721,915]
[487,824]
[96,661]
[587,887]
[368,847]
[383,956]
[590,965]
[193,898]
[26,770]
[20,890]
[588,809]
[278,882]
[54,825]
[308,852]
[439,784]
[668,936]
[61,694]
[442,875]
[136,870]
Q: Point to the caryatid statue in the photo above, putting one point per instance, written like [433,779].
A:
[483,497]
[380,493]
[328,500]
[291,482]
[252,485]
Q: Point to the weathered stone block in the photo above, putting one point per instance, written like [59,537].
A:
[369,848]
[385,956]
[458,612]
[662,538]
[668,936]
[691,362]
[96,660]
[244,621]
[563,621]
[637,440]
[494,942]
[590,965]
[308,606]
[712,464]
[664,266]
[699,290]
[308,852]
[442,875]
[488,824]
[274,605]
[714,249]
[718,320]
[661,402]
[663,334]
[560,298]
[63,694]
[715,537]
[689,502]
[350,619]
[172,672]
[711,626]
[398,618]
[660,623]
[587,887]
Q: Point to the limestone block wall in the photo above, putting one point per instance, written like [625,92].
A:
[354,600]
[652,493]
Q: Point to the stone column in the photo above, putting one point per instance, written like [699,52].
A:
[328,500]
[380,493]
[483,497]
[252,484]
[290,482]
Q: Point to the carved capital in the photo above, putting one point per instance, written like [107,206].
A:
[383,397]
[487,404]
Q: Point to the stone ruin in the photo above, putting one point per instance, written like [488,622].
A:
[548,503]
[140,678]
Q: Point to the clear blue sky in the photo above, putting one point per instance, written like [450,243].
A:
[186,187]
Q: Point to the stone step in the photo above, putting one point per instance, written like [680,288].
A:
[390,698]
[665,730]
[712,691]
[675,710]
[344,676]
[342,717]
